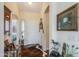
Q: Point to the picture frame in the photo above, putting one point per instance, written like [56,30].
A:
[67,20]
[7,14]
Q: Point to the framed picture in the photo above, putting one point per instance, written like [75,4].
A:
[7,13]
[67,20]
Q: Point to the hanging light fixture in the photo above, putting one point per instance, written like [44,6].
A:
[30,3]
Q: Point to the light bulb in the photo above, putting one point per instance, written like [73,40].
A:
[30,3]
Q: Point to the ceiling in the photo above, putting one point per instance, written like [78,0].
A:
[25,7]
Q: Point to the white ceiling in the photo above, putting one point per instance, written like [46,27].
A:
[25,7]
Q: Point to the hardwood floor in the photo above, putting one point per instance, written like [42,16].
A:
[31,52]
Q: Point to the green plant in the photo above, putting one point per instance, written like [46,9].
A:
[68,55]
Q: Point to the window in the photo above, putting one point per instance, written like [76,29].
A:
[22,29]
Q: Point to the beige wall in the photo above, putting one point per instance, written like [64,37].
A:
[13,7]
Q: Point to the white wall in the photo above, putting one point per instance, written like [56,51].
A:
[1,30]
[52,24]
[31,27]
[70,37]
